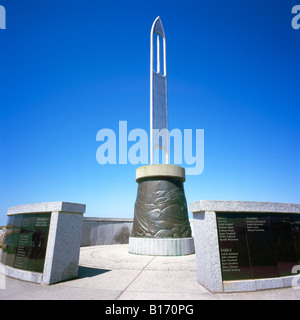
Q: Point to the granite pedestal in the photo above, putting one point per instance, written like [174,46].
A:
[42,242]
[245,245]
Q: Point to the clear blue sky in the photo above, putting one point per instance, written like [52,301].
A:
[71,68]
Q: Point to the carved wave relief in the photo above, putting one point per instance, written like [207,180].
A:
[161,210]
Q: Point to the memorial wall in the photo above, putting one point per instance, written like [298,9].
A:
[26,241]
[258,245]
[42,242]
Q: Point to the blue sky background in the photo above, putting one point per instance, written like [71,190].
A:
[71,68]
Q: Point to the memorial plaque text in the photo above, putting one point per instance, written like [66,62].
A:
[26,241]
[258,245]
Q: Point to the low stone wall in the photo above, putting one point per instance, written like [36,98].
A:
[105,231]
[48,246]
[246,245]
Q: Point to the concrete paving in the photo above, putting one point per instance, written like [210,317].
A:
[111,273]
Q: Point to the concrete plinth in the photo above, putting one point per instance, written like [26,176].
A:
[161,247]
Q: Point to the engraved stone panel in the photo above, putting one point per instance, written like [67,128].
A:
[234,255]
[258,245]
[26,241]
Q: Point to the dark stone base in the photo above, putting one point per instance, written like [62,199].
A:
[161,209]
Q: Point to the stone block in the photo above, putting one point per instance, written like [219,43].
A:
[161,246]
[57,225]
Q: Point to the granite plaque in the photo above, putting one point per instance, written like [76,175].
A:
[26,241]
[258,245]
[11,240]
[234,255]
[295,226]
[284,243]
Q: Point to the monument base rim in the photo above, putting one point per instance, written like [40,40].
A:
[160,170]
[161,246]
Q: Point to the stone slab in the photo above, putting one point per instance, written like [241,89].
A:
[105,231]
[63,245]
[47,207]
[270,283]
[207,244]
[161,246]
[243,206]
[207,251]
[239,286]
[35,277]
[160,170]
[258,284]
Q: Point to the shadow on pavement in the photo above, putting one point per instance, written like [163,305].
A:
[87,272]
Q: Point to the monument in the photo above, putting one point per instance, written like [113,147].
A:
[246,245]
[161,225]
[42,242]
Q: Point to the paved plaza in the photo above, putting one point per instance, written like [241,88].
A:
[111,273]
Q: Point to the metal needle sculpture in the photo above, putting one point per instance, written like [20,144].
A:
[158,93]
[160,208]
